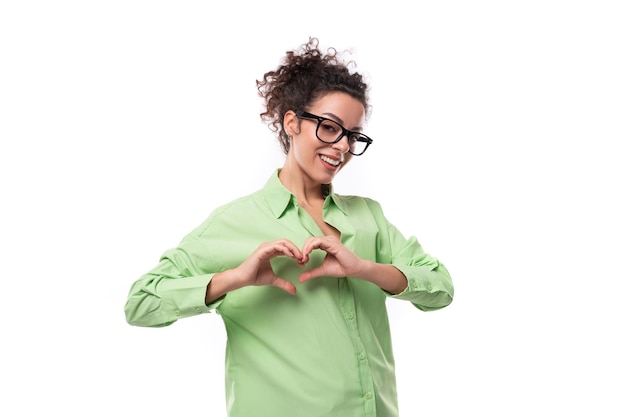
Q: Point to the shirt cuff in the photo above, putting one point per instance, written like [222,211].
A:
[187,296]
[427,287]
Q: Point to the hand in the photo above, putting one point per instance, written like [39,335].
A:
[257,270]
[338,262]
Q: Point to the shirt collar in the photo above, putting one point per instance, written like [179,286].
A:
[337,199]
[278,197]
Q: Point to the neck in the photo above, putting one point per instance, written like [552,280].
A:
[306,189]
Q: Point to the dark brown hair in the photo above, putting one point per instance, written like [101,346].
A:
[305,75]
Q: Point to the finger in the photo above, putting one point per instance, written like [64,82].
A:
[295,251]
[327,244]
[280,248]
[311,244]
[311,274]
[285,285]
[305,276]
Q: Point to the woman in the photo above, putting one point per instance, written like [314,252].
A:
[298,273]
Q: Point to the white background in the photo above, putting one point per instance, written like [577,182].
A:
[499,130]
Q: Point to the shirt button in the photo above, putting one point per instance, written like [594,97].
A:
[429,286]
[350,315]
[368,396]
[198,310]
[361,356]
[177,312]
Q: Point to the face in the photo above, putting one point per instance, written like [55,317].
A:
[315,159]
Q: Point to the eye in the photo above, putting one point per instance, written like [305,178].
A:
[357,137]
[330,127]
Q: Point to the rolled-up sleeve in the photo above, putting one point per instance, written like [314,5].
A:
[428,289]
[429,285]
[174,289]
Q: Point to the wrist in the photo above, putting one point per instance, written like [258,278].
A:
[221,284]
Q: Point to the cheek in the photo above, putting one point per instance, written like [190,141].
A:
[304,146]
[301,151]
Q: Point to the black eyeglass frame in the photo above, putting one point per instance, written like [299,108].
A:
[344,132]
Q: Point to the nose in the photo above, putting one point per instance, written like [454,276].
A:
[342,145]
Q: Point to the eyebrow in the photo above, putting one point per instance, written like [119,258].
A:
[338,120]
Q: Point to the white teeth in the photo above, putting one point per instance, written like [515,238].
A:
[333,162]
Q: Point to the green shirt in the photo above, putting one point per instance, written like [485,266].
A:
[324,352]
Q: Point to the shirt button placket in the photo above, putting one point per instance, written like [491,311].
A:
[348,307]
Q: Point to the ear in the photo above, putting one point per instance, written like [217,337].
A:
[291,123]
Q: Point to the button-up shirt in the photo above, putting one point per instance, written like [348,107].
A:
[324,352]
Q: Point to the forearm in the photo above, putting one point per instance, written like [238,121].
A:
[156,300]
[429,286]
[221,284]
[387,277]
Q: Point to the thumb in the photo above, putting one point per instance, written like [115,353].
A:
[284,285]
[310,274]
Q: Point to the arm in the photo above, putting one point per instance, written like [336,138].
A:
[174,289]
[179,287]
[429,286]
[255,270]
[387,277]
[412,275]
[342,262]
[399,266]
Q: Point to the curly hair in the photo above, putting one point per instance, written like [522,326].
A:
[305,75]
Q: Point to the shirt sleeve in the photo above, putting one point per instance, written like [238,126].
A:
[174,289]
[429,285]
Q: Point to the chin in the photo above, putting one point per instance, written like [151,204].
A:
[328,178]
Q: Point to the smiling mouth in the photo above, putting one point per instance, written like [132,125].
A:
[333,162]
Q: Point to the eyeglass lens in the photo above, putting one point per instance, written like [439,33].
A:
[329,131]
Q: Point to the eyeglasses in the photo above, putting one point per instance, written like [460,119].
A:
[329,131]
